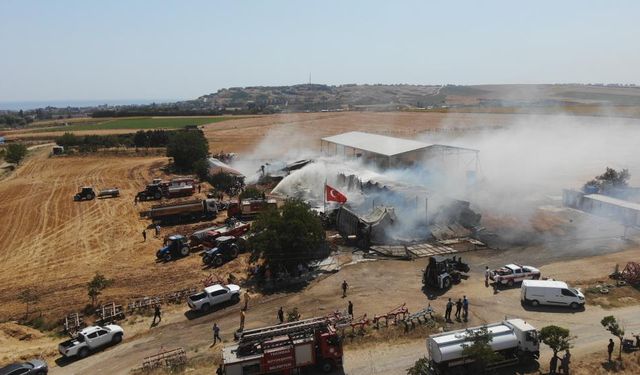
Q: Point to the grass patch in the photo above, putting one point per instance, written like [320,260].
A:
[141,123]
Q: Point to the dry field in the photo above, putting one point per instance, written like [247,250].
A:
[53,245]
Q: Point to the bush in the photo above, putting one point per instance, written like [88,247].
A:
[15,153]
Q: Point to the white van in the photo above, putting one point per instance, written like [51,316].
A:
[550,292]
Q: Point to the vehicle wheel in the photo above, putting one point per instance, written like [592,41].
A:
[326,366]
[206,307]
[184,251]
[233,252]
[206,260]
[83,353]
[157,195]
[574,305]
[168,257]
[116,339]
[90,196]
[535,303]
[446,283]
[235,298]
[536,277]
[510,283]
[218,261]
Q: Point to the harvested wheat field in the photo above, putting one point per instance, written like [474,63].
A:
[54,245]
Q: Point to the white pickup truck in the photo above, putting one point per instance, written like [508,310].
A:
[214,295]
[90,339]
[514,273]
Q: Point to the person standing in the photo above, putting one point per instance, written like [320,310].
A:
[242,316]
[487,273]
[156,314]
[465,308]
[458,308]
[216,334]
[144,235]
[564,363]
[157,230]
[610,348]
[281,315]
[496,281]
[553,365]
[246,300]
[350,309]
[345,286]
[447,313]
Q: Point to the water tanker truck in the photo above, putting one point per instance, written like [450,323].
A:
[182,212]
[514,339]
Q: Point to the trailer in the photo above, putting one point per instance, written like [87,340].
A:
[514,339]
[182,212]
[109,192]
[285,348]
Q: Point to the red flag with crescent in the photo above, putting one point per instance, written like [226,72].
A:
[334,195]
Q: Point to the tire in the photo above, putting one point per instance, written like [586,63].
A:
[574,306]
[510,283]
[116,339]
[446,283]
[535,303]
[83,353]
[168,257]
[536,277]
[233,252]
[206,307]
[326,366]
[206,260]
[235,298]
[90,197]
[184,251]
[218,261]
[157,195]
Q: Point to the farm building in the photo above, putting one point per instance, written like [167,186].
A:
[391,152]
[625,212]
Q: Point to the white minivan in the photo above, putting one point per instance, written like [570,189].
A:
[550,292]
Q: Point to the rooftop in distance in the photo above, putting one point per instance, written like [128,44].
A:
[375,143]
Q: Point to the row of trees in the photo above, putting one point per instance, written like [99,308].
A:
[149,138]
[15,121]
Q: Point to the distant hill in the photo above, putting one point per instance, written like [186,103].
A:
[315,97]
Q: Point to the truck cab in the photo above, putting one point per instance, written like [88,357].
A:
[90,339]
[214,295]
[176,246]
[225,249]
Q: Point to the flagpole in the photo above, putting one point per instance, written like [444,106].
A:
[324,197]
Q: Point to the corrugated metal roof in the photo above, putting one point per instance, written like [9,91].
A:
[614,201]
[378,144]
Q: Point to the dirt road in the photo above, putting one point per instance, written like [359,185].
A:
[376,287]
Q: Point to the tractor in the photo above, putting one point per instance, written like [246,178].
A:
[176,246]
[441,272]
[226,249]
[86,193]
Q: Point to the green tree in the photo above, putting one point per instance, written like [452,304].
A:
[609,179]
[141,139]
[288,237]
[557,338]
[28,297]
[610,323]
[479,349]
[15,153]
[421,367]
[96,286]
[68,139]
[186,148]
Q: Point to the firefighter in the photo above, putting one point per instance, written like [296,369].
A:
[246,300]
[242,316]
[144,235]
[447,313]
[156,314]
[486,276]
[610,348]
[458,308]
[350,309]
[216,334]
[345,286]
[465,308]
[565,361]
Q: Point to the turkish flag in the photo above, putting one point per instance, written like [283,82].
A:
[334,195]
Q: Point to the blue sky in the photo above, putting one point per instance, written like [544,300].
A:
[88,50]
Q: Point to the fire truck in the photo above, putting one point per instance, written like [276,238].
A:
[284,348]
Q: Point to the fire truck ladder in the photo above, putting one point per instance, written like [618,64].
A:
[250,338]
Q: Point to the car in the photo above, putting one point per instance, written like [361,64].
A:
[214,295]
[33,367]
[514,273]
[91,338]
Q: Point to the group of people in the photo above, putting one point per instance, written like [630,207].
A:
[144,232]
[462,308]
[564,363]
